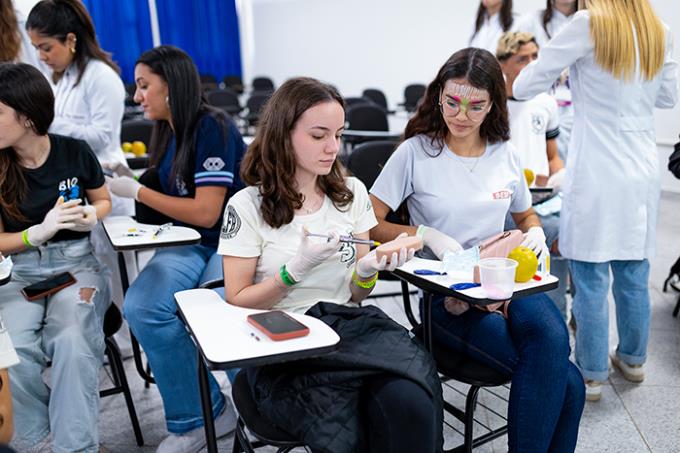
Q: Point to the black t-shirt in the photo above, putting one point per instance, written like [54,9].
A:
[71,168]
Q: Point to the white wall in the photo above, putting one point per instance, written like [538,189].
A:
[357,44]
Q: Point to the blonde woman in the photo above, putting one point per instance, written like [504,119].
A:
[619,58]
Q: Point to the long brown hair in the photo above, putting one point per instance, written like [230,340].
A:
[24,89]
[481,70]
[505,12]
[9,32]
[57,18]
[270,162]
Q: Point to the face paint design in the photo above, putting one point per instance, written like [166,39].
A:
[472,101]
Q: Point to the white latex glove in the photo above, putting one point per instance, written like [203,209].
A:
[119,169]
[61,217]
[87,221]
[534,239]
[124,186]
[557,179]
[311,253]
[368,265]
[437,241]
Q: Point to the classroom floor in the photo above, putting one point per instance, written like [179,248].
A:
[629,419]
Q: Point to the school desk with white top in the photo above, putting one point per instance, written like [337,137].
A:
[225,339]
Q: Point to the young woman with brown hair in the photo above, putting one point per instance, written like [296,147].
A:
[297,186]
[493,18]
[460,177]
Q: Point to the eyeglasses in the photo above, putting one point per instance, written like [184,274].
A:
[474,110]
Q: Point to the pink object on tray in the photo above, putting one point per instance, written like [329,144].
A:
[388,248]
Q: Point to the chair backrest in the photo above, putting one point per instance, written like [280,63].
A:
[263,84]
[234,82]
[255,103]
[136,130]
[368,159]
[226,100]
[375,95]
[352,101]
[208,78]
[367,117]
[113,320]
[412,95]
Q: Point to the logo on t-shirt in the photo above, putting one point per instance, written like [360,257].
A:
[347,253]
[502,194]
[232,225]
[538,123]
[69,189]
[213,164]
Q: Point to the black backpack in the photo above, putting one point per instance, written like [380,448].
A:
[674,161]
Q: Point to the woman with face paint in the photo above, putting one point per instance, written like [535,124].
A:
[460,177]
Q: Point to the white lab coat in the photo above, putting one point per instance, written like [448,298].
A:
[488,35]
[611,193]
[532,22]
[92,110]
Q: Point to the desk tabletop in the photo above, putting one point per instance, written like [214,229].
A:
[118,229]
[439,284]
[372,134]
[227,340]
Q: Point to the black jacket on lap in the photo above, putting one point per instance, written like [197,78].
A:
[318,400]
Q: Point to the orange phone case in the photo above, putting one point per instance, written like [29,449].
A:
[301,332]
[49,291]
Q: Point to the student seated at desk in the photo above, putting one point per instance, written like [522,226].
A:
[195,150]
[44,225]
[384,385]
[460,176]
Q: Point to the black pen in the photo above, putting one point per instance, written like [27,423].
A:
[254,336]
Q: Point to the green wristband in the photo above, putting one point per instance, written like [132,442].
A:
[24,237]
[285,276]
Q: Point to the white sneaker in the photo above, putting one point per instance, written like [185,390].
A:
[593,390]
[632,373]
[194,440]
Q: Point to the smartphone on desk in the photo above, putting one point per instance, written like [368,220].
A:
[48,286]
[278,325]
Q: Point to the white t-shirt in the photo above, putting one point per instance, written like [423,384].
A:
[246,234]
[8,356]
[533,122]
[465,198]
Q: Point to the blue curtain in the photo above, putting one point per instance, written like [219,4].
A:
[124,29]
[205,29]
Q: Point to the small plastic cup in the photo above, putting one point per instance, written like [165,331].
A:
[497,276]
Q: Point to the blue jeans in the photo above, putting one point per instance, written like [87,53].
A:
[591,311]
[66,328]
[151,312]
[532,347]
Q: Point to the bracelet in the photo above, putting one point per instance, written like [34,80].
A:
[365,284]
[286,277]
[24,238]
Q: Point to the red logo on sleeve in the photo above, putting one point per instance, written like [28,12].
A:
[501,194]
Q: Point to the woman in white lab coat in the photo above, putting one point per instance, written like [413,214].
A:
[611,193]
[494,17]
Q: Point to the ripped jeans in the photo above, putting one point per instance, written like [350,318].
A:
[66,329]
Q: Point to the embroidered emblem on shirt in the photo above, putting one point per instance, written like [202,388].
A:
[213,164]
[233,224]
[537,123]
[69,189]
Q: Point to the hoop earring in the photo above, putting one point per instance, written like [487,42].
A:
[167,101]
[28,124]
